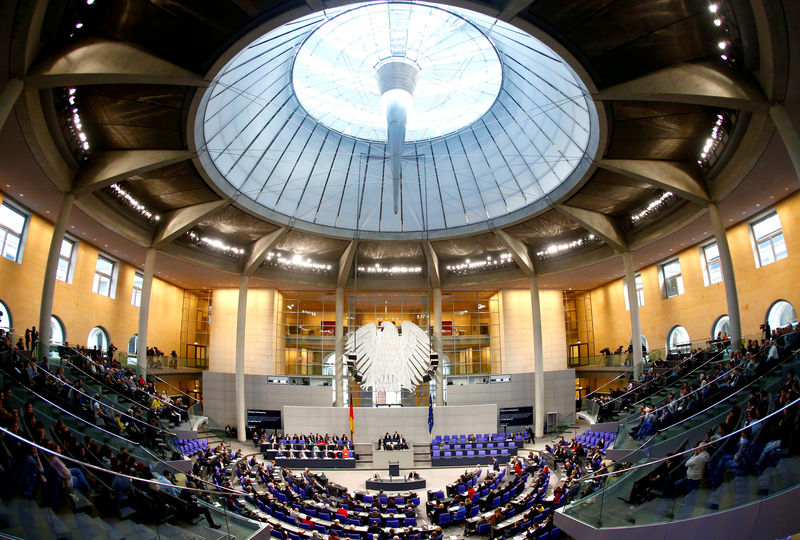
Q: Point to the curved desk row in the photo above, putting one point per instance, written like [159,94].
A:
[395,484]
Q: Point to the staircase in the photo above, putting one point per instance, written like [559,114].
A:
[422,454]
[364,453]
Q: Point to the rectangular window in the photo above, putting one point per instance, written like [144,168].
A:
[136,295]
[64,271]
[12,226]
[637,278]
[103,276]
[672,279]
[713,269]
[768,238]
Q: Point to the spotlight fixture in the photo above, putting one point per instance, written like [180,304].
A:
[214,243]
[294,261]
[561,247]
[132,202]
[653,207]
[482,264]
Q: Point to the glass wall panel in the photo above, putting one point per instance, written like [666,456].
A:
[306,328]
[307,322]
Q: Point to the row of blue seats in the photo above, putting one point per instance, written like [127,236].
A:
[477,445]
[485,437]
[592,438]
[469,453]
[399,521]
[189,447]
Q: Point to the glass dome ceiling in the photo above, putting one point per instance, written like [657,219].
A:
[292,127]
[459,70]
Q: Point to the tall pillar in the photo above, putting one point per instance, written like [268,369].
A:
[8,98]
[338,368]
[791,139]
[144,309]
[49,285]
[636,322]
[538,359]
[241,323]
[728,277]
[437,344]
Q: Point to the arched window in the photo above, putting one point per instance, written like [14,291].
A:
[678,339]
[98,338]
[781,313]
[58,334]
[6,323]
[133,344]
[721,327]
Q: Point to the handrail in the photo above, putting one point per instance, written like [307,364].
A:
[78,417]
[104,385]
[603,386]
[178,389]
[726,398]
[109,471]
[712,359]
[632,417]
[117,411]
[701,445]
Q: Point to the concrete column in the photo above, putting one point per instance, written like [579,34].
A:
[437,344]
[791,139]
[144,308]
[538,359]
[728,277]
[338,368]
[49,285]
[636,322]
[8,98]
[241,323]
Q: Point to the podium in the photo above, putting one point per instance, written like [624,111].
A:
[394,469]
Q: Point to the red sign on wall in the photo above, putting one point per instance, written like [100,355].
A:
[447,328]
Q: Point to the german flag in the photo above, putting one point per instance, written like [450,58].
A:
[352,421]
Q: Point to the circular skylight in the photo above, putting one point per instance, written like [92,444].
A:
[459,70]
[486,122]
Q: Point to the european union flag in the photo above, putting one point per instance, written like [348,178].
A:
[430,413]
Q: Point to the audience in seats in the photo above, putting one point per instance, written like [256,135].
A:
[395,441]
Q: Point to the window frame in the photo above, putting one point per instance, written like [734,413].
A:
[70,261]
[706,264]
[136,299]
[112,277]
[664,280]
[756,242]
[23,235]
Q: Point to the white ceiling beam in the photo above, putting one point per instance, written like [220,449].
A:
[433,264]
[668,175]
[261,248]
[181,220]
[599,224]
[100,61]
[346,263]
[109,167]
[519,251]
[697,84]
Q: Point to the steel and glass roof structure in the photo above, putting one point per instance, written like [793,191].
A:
[292,126]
